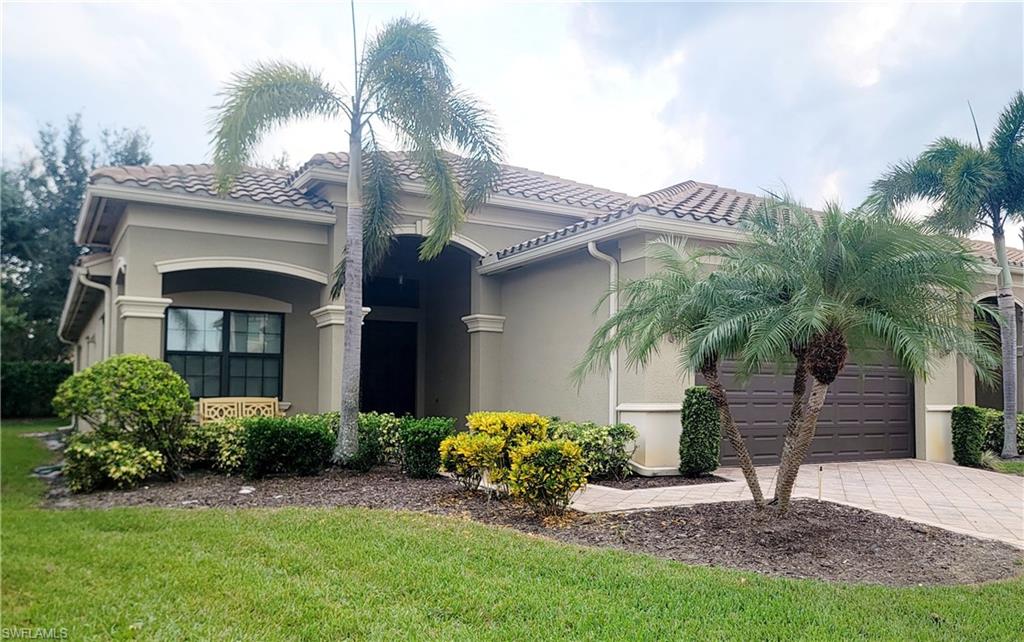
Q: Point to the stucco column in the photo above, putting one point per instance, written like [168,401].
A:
[330,323]
[485,325]
[141,319]
[934,399]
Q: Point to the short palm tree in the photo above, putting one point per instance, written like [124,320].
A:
[814,286]
[973,188]
[668,306]
[402,84]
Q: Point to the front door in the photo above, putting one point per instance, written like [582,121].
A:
[388,370]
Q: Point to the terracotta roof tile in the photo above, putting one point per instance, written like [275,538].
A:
[515,181]
[988,250]
[256,185]
[688,200]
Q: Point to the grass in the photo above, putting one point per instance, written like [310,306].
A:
[1007,466]
[332,574]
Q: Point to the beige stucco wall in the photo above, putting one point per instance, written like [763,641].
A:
[549,319]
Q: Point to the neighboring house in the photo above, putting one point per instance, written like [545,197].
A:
[234,292]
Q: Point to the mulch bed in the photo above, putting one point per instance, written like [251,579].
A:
[817,540]
[637,482]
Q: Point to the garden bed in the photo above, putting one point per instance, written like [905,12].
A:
[639,482]
[819,540]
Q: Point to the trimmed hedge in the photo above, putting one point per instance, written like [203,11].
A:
[606,449]
[994,431]
[421,442]
[970,425]
[29,386]
[299,445]
[701,433]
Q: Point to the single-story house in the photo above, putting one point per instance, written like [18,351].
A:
[234,292]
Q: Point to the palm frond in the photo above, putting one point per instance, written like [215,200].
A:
[446,205]
[381,206]
[968,181]
[1007,144]
[267,95]
[472,130]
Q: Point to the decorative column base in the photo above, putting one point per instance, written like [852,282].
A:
[657,442]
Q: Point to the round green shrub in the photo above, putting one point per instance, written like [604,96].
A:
[421,442]
[299,445]
[606,449]
[701,433]
[132,398]
[545,474]
[92,462]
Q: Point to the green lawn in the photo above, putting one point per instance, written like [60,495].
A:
[333,574]
[1009,467]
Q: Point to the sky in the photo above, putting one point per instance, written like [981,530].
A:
[816,98]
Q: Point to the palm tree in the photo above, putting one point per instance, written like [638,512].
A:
[973,188]
[402,84]
[668,306]
[815,286]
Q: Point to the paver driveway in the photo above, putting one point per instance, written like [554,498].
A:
[966,500]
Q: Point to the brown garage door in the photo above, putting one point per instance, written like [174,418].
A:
[868,414]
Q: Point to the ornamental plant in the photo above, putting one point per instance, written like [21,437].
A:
[132,398]
[545,474]
[468,457]
[299,445]
[421,444]
[217,445]
[92,462]
[701,433]
[606,449]
[513,429]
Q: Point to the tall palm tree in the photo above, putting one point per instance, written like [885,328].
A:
[668,306]
[815,286]
[402,84]
[973,188]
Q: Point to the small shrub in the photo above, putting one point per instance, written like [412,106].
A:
[29,386]
[606,449]
[970,425]
[299,445]
[514,429]
[701,433]
[545,474]
[421,442]
[994,431]
[92,462]
[378,440]
[468,456]
[218,445]
[131,398]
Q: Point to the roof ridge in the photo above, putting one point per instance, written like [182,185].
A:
[102,170]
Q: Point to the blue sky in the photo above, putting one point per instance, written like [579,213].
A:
[819,97]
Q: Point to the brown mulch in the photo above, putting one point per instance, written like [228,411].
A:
[817,540]
[637,482]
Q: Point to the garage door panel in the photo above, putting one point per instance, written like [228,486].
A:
[867,415]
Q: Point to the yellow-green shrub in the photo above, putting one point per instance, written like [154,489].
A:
[545,474]
[468,456]
[513,429]
[219,445]
[91,462]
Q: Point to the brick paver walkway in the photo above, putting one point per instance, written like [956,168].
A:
[966,500]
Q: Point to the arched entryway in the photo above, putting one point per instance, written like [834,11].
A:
[416,351]
[989,394]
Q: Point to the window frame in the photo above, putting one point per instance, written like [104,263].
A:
[225,354]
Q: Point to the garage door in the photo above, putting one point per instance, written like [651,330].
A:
[868,414]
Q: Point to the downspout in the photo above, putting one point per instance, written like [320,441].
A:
[83,278]
[613,308]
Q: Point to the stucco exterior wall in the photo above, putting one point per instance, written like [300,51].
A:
[549,311]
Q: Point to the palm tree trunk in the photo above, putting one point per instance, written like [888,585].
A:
[732,433]
[348,434]
[1008,336]
[802,443]
[796,413]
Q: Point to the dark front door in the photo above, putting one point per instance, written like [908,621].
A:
[388,370]
[868,414]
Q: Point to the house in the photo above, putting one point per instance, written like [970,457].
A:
[234,292]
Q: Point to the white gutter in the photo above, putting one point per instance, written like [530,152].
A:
[613,308]
[108,303]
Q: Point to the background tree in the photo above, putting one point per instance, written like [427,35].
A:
[402,84]
[973,188]
[813,287]
[41,200]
